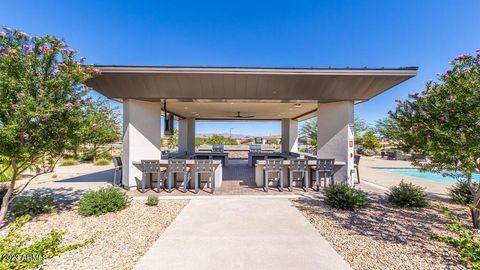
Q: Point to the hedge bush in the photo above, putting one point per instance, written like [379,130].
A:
[460,193]
[105,200]
[102,162]
[32,205]
[344,197]
[68,162]
[407,195]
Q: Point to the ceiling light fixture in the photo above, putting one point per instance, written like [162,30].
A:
[297,105]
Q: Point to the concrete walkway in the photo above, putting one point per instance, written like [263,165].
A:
[241,234]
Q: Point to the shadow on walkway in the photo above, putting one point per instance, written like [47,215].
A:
[71,189]
[102,176]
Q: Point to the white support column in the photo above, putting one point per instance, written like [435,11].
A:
[289,135]
[186,136]
[335,137]
[141,136]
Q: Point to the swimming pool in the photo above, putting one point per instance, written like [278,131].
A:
[437,177]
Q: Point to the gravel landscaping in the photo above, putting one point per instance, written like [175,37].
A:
[120,238]
[382,236]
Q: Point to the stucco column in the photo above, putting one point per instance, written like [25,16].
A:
[335,136]
[289,135]
[141,136]
[186,136]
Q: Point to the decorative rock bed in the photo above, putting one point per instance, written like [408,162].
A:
[382,236]
[121,238]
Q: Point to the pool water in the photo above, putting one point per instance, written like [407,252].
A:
[437,177]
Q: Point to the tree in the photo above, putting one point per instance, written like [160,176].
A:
[443,123]
[387,128]
[172,140]
[220,139]
[309,130]
[41,91]
[370,141]
[199,141]
[101,125]
[360,126]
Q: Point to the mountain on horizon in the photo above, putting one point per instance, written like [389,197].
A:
[235,136]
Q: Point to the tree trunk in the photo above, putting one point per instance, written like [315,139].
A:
[475,207]
[51,169]
[11,188]
[475,217]
[94,153]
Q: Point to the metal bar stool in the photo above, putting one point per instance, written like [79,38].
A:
[176,166]
[356,161]
[150,167]
[117,162]
[273,166]
[323,170]
[299,166]
[204,167]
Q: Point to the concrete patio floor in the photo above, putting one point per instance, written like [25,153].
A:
[69,183]
[241,234]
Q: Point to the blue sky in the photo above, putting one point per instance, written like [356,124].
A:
[351,33]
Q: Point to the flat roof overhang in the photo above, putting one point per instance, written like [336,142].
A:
[224,86]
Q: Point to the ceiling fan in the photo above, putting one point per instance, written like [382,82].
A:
[241,116]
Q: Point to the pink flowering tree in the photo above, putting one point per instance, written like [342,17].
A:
[443,123]
[41,92]
[102,126]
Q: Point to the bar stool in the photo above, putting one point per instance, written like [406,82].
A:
[298,166]
[117,162]
[273,166]
[204,167]
[323,170]
[176,166]
[150,167]
[356,161]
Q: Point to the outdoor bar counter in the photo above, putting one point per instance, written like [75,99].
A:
[254,156]
[259,173]
[223,156]
[191,164]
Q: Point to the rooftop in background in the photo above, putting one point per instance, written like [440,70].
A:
[221,92]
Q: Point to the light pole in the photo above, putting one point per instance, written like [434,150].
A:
[231,132]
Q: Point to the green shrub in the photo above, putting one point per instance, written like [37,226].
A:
[102,162]
[106,154]
[466,244]
[19,252]
[3,191]
[105,200]
[461,194]
[32,205]
[344,197]
[68,162]
[152,200]
[407,195]
[89,154]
